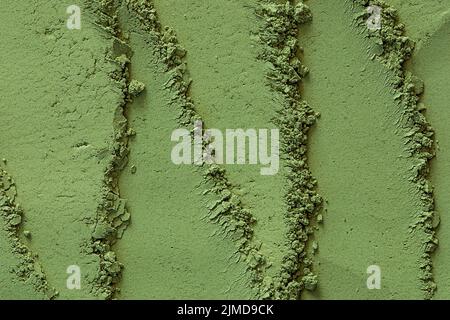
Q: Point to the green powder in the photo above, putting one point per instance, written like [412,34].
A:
[422,18]
[18,261]
[361,163]
[431,64]
[87,182]
[172,251]
[230,91]
[295,119]
[58,108]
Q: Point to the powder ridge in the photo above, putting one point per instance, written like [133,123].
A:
[281,49]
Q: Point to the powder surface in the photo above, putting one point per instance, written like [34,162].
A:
[92,205]
[171,248]
[229,91]
[422,18]
[360,163]
[432,66]
[57,110]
